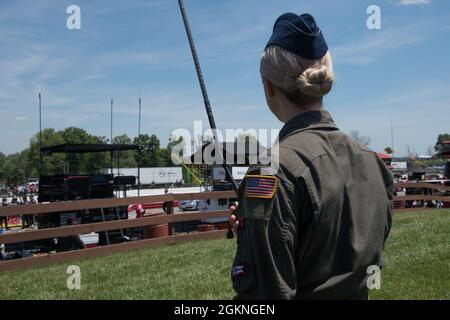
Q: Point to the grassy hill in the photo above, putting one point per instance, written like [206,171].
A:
[417,266]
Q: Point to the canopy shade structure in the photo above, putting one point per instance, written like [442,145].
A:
[94,148]
[87,148]
[233,152]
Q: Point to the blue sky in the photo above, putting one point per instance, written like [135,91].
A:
[126,47]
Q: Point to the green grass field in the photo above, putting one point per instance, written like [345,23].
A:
[417,266]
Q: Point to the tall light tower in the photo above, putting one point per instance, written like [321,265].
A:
[40,133]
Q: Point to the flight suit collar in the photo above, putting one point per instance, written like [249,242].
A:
[318,119]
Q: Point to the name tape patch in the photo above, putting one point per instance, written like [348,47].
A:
[238,270]
[257,186]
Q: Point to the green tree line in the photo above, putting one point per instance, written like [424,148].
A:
[19,167]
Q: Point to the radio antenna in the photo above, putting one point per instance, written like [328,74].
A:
[208,108]
[201,81]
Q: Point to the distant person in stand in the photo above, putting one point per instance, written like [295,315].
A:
[167,205]
[4,220]
[27,219]
[31,217]
[140,211]
[2,252]
[23,194]
[33,200]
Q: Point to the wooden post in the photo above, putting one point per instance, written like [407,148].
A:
[106,232]
[171,210]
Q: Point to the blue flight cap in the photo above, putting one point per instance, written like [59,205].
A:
[300,35]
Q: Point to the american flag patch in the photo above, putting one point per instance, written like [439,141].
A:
[260,186]
[238,270]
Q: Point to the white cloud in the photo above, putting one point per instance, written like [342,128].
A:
[21,118]
[376,44]
[413,2]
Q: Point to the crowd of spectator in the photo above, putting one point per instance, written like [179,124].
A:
[19,196]
[401,191]
[19,191]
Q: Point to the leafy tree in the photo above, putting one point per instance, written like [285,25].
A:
[74,135]
[64,163]
[122,139]
[19,167]
[14,167]
[50,164]
[151,154]
[127,158]
[180,144]
[441,138]
[82,163]
[2,166]
[156,153]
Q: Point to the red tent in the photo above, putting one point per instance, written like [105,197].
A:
[384,156]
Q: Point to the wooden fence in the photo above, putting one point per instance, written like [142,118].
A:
[169,218]
[400,201]
[57,207]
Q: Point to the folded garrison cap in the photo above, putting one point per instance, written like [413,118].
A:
[300,35]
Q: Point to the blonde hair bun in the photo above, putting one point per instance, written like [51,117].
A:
[315,82]
[299,78]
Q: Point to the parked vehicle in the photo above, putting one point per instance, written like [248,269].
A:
[189,205]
